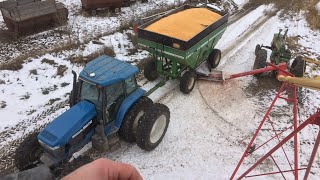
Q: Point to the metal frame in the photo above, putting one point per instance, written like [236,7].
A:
[314,119]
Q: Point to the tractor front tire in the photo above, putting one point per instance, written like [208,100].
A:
[150,70]
[214,58]
[298,67]
[27,153]
[187,82]
[153,126]
[261,60]
[258,47]
[130,122]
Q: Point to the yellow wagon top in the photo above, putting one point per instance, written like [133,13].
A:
[185,24]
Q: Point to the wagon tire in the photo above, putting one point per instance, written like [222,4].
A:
[258,47]
[130,122]
[153,126]
[150,70]
[187,82]
[298,67]
[116,9]
[93,12]
[214,58]
[27,153]
[260,61]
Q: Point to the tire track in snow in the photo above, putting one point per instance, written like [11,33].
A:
[228,51]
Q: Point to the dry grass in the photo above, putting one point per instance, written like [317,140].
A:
[61,69]
[12,65]
[34,72]
[292,42]
[294,6]
[49,61]
[3,104]
[84,60]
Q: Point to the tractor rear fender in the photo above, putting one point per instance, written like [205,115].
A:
[126,104]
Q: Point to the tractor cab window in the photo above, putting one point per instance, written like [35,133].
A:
[114,97]
[131,84]
[91,93]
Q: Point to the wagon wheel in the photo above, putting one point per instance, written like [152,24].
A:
[150,70]
[116,9]
[187,82]
[93,12]
[214,58]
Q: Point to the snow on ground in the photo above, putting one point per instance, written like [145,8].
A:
[318,7]
[81,26]
[240,2]
[208,128]
[253,97]
[24,101]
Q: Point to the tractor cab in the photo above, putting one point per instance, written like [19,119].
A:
[106,84]
[99,100]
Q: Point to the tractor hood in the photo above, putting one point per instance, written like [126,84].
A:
[61,129]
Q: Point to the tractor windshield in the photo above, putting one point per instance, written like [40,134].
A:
[92,93]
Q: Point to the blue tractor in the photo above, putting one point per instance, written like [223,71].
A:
[105,102]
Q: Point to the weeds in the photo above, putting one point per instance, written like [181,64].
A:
[47,90]
[3,104]
[61,69]
[33,71]
[84,60]
[48,61]
[12,65]
[31,111]
[51,101]
[26,96]
[64,84]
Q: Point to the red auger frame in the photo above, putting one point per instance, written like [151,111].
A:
[313,119]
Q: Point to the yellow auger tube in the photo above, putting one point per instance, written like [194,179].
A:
[303,82]
[311,61]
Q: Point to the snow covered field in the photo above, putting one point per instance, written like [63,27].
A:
[209,127]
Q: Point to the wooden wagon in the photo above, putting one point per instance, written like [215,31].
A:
[29,16]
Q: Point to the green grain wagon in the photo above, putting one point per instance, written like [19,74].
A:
[175,58]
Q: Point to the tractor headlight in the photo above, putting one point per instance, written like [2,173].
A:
[57,151]
[48,147]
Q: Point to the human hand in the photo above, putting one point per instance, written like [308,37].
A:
[104,169]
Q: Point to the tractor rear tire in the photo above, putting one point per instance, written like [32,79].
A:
[261,60]
[130,122]
[187,82]
[298,67]
[153,126]
[150,70]
[28,153]
[214,58]
[258,47]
